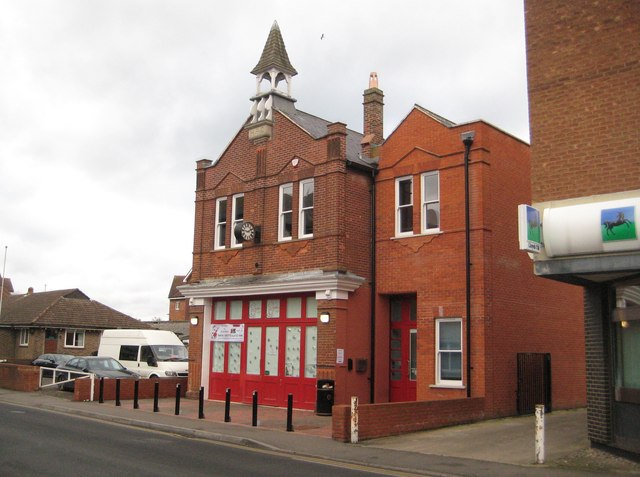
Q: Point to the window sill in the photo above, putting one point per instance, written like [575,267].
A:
[423,234]
[447,386]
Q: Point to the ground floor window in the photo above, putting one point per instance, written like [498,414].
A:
[627,343]
[24,337]
[449,351]
[74,339]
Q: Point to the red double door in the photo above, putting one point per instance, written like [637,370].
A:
[403,336]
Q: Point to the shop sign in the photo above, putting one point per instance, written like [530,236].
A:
[227,333]
[529,230]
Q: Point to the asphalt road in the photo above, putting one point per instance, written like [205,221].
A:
[42,443]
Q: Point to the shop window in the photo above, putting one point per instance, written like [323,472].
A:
[273,308]
[220,310]
[235,311]
[234,358]
[294,307]
[311,351]
[273,348]
[218,357]
[627,344]
[255,309]
[312,307]
[292,353]
[254,350]
[449,352]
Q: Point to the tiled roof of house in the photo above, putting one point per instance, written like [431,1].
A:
[317,128]
[65,308]
[274,54]
[177,281]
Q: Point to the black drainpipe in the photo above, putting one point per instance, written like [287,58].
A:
[467,140]
[372,379]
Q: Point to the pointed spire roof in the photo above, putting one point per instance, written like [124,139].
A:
[274,54]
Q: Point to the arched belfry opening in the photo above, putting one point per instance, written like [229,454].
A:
[274,74]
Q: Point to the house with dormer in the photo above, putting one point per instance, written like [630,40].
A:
[385,268]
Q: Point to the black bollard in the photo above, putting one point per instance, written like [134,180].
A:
[227,406]
[136,389]
[290,413]
[101,395]
[254,414]
[177,413]
[156,390]
[201,403]
[117,391]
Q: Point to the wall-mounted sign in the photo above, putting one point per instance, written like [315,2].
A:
[227,333]
[529,230]
[340,356]
[591,228]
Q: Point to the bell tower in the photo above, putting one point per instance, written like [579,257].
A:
[274,73]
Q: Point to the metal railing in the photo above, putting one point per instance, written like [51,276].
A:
[50,377]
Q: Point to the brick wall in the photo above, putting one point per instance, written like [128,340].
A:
[389,419]
[583,65]
[19,377]
[7,343]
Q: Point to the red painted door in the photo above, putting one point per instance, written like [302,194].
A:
[402,349]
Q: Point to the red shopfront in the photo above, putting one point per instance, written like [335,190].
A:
[266,344]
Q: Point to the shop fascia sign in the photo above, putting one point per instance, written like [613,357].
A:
[580,229]
[227,333]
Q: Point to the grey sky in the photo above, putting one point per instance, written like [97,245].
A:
[105,105]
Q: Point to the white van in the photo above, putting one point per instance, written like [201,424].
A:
[150,353]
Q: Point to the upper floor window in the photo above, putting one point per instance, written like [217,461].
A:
[24,337]
[305,223]
[430,202]
[237,212]
[221,223]
[74,339]
[177,305]
[404,206]
[285,215]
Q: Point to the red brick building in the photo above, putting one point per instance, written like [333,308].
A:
[421,273]
[583,67]
[294,292]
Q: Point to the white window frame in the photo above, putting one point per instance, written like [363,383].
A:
[220,225]
[302,209]
[439,380]
[236,220]
[399,207]
[283,213]
[76,335]
[426,203]
[24,337]
[176,305]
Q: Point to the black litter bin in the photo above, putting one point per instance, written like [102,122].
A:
[324,398]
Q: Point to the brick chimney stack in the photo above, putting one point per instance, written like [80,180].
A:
[373,113]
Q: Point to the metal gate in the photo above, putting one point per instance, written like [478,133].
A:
[534,382]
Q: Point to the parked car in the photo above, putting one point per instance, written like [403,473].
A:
[101,366]
[51,360]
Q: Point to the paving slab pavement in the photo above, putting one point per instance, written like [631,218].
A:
[491,448]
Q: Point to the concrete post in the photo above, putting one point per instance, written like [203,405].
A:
[539,434]
[354,419]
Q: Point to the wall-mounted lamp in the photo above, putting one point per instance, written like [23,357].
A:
[194,320]
[324,317]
